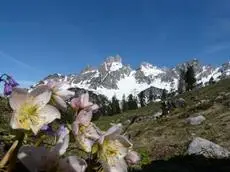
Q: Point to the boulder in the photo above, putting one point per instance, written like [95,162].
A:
[200,146]
[195,120]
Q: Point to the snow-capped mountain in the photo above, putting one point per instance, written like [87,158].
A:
[115,78]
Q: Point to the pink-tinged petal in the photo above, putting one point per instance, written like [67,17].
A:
[75,128]
[84,117]
[60,102]
[72,164]
[76,103]
[17,98]
[94,107]
[32,158]
[62,143]
[85,100]
[42,98]
[132,158]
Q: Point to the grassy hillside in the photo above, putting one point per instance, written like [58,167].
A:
[169,136]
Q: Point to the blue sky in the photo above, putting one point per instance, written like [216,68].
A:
[48,36]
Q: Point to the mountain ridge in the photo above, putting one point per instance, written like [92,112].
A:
[113,77]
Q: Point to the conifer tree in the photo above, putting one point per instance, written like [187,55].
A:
[190,78]
[142,98]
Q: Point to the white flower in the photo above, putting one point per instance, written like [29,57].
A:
[132,158]
[112,149]
[60,93]
[30,110]
[40,159]
[83,102]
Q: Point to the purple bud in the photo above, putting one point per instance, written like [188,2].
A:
[12,82]
[7,89]
[45,127]
[61,131]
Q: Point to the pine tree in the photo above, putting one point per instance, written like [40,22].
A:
[125,106]
[132,102]
[115,105]
[190,78]
[181,83]
[211,81]
[164,95]
[151,96]
[142,98]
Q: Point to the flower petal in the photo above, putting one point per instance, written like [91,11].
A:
[119,166]
[41,98]
[65,94]
[75,128]
[60,102]
[132,158]
[114,130]
[62,143]
[72,164]
[14,122]
[46,115]
[87,136]
[31,157]
[76,103]
[17,98]
[84,117]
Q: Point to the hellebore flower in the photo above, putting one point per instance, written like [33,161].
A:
[112,148]
[30,110]
[7,89]
[60,93]
[40,159]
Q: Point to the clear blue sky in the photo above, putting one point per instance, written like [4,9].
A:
[39,37]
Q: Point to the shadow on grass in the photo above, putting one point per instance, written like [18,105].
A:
[187,164]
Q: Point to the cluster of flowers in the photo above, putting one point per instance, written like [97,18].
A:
[33,110]
[9,83]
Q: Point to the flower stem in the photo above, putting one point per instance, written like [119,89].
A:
[19,137]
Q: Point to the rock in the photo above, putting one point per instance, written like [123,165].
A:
[157,115]
[180,102]
[219,99]
[200,146]
[195,120]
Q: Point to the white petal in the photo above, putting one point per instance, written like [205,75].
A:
[39,90]
[114,130]
[42,99]
[65,94]
[46,115]
[13,121]
[119,166]
[72,164]
[17,98]
[60,102]
[31,157]
[124,141]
